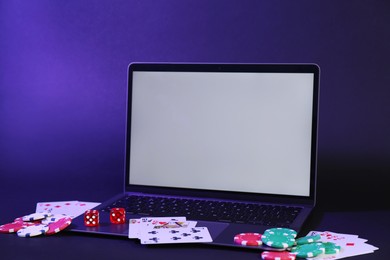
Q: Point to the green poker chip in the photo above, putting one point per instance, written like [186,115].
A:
[331,248]
[308,250]
[281,231]
[278,240]
[308,239]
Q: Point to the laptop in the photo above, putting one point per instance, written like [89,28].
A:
[220,137]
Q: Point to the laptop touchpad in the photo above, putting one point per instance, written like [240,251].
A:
[215,228]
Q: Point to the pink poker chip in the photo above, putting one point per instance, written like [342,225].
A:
[277,255]
[248,239]
[12,227]
[20,219]
[57,226]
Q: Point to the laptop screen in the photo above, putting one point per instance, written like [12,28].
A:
[222,130]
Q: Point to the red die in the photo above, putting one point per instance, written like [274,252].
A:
[91,218]
[118,215]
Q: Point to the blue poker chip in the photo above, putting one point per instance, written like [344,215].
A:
[36,216]
[32,231]
[53,218]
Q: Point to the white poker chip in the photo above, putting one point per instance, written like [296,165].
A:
[36,216]
[53,218]
[32,231]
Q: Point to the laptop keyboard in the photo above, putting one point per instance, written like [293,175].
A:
[209,210]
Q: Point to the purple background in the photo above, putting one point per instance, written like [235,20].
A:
[63,72]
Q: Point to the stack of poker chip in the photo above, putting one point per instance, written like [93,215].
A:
[282,244]
[279,237]
[37,224]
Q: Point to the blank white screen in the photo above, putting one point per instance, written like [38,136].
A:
[247,132]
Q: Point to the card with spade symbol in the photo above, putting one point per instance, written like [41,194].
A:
[176,235]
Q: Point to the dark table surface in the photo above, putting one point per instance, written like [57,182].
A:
[369,223]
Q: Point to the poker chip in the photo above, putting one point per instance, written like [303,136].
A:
[36,216]
[281,231]
[15,226]
[275,255]
[12,227]
[20,219]
[308,250]
[279,237]
[248,239]
[278,241]
[58,225]
[30,223]
[308,239]
[32,231]
[331,248]
[53,218]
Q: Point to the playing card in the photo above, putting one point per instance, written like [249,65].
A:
[351,245]
[72,208]
[135,225]
[176,235]
[56,207]
[356,249]
[170,224]
[83,206]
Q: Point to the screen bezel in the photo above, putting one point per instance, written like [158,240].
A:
[213,67]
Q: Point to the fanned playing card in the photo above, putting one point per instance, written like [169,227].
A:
[137,225]
[170,224]
[176,235]
[72,208]
[351,245]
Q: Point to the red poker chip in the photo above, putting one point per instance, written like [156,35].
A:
[248,239]
[57,226]
[12,227]
[277,255]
